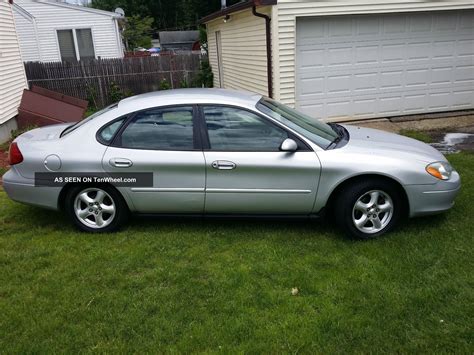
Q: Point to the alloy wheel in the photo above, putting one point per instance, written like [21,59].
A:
[94,208]
[372,211]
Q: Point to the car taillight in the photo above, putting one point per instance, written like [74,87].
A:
[14,154]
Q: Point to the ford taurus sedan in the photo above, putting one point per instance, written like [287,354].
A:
[220,152]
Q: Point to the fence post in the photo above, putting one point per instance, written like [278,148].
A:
[172,68]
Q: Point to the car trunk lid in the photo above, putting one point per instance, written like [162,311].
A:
[35,146]
[43,133]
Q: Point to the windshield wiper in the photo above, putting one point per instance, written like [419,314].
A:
[339,131]
[336,140]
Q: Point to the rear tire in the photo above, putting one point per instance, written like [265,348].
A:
[96,209]
[368,209]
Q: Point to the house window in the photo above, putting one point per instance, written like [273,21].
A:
[66,45]
[76,44]
[85,44]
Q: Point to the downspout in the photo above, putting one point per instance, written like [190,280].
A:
[269,49]
[118,37]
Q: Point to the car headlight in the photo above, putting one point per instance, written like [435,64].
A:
[440,170]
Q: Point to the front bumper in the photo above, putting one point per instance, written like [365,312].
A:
[432,199]
[24,190]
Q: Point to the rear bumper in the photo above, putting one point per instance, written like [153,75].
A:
[24,190]
[432,199]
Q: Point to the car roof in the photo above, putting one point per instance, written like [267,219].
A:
[189,96]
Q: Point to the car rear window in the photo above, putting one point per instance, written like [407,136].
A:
[87,119]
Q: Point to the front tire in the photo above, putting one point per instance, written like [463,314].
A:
[368,209]
[96,209]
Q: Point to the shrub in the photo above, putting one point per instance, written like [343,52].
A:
[183,84]
[204,78]
[164,85]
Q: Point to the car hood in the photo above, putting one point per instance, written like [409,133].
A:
[383,143]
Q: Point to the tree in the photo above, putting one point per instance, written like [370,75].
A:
[203,38]
[166,14]
[137,32]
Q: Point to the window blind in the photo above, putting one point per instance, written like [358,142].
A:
[66,45]
[85,43]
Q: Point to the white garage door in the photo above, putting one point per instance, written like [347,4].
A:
[352,67]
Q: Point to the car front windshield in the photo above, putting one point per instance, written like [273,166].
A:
[87,119]
[317,131]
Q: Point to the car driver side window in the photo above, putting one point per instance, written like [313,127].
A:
[233,129]
[160,129]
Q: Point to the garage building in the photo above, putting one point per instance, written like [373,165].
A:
[340,60]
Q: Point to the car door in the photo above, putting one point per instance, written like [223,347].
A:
[246,171]
[162,141]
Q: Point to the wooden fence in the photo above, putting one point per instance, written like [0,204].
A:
[101,81]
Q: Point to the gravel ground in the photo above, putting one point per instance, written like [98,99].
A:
[436,128]
[448,124]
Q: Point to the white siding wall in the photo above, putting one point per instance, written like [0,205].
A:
[284,29]
[244,55]
[12,72]
[50,17]
[25,28]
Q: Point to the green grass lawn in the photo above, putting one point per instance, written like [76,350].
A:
[225,286]
[416,134]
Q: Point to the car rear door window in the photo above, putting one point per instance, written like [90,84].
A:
[160,129]
[234,129]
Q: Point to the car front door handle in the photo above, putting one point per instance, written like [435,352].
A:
[121,162]
[223,165]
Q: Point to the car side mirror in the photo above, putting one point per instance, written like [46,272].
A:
[289,145]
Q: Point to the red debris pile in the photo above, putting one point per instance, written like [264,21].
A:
[42,107]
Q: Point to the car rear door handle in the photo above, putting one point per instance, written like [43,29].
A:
[223,165]
[121,162]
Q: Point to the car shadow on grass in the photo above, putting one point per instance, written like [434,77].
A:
[415,226]
[259,227]
[244,226]
[28,217]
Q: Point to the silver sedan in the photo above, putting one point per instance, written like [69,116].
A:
[220,152]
